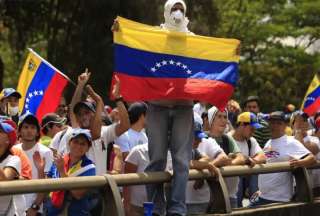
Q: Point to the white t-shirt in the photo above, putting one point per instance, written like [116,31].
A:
[130,139]
[279,186]
[15,163]
[59,141]
[138,156]
[45,153]
[244,147]
[315,172]
[198,108]
[210,148]
[98,151]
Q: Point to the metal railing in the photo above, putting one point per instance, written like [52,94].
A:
[110,183]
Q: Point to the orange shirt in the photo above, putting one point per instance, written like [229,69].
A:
[26,168]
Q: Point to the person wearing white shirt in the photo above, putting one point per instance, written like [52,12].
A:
[200,108]
[245,126]
[198,192]
[10,169]
[135,135]
[40,157]
[278,187]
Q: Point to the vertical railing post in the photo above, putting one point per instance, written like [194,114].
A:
[112,198]
[303,185]
[219,196]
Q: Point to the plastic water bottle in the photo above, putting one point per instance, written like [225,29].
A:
[148,207]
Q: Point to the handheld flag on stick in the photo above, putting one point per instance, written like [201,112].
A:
[154,64]
[40,85]
[311,102]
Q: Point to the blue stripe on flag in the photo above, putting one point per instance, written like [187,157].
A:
[312,97]
[136,62]
[37,88]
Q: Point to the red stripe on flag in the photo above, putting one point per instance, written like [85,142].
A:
[144,89]
[52,95]
[313,108]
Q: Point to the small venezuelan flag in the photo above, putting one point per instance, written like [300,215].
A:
[311,102]
[40,85]
[154,64]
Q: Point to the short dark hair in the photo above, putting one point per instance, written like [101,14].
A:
[136,110]
[251,99]
[30,121]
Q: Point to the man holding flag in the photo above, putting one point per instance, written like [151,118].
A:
[169,67]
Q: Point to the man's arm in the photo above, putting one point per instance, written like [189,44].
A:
[306,161]
[82,80]
[96,123]
[124,122]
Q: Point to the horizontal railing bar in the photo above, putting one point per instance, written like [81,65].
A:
[46,185]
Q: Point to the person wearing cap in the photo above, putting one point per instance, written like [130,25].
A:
[316,172]
[278,187]
[73,164]
[9,103]
[51,124]
[218,121]
[39,156]
[262,135]
[198,192]
[10,169]
[135,135]
[246,124]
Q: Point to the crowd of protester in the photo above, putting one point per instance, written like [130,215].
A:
[88,139]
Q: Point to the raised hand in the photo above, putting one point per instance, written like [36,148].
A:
[116,87]
[115,26]
[39,162]
[84,77]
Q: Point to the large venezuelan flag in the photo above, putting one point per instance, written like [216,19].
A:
[153,64]
[40,85]
[311,102]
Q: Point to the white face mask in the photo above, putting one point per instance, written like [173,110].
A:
[177,17]
[12,111]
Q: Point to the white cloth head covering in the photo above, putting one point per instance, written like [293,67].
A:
[183,26]
[212,112]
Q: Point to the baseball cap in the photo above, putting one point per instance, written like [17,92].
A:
[10,131]
[84,104]
[7,92]
[198,131]
[248,117]
[250,99]
[52,118]
[81,132]
[277,115]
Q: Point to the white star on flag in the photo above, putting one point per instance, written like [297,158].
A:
[41,92]
[184,66]
[26,106]
[189,71]
[158,65]
[178,63]
[30,95]
[171,62]
[35,93]
[153,69]
[27,100]
[164,62]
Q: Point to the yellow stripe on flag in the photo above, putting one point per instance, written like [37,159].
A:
[155,39]
[29,69]
[313,85]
